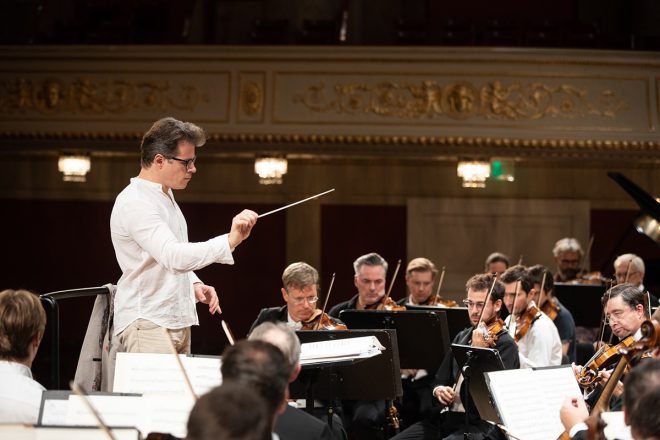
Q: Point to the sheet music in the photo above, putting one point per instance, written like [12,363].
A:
[167,413]
[338,349]
[616,426]
[159,373]
[114,411]
[528,401]
[54,412]
[22,432]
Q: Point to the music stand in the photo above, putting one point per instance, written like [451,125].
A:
[474,362]
[458,318]
[580,300]
[411,327]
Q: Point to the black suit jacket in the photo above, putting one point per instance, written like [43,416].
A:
[448,370]
[296,424]
[351,304]
[271,314]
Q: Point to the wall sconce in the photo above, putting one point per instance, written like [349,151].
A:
[270,169]
[74,167]
[474,173]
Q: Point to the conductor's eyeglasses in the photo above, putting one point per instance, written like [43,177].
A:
[188,163]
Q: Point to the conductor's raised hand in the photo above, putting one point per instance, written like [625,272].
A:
[241,226]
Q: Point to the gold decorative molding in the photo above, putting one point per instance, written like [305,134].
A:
[462,100]
[87,96]
[252,98]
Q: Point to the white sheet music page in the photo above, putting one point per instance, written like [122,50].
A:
[616,426]
[338,349]
[160,373]
[24,432]
[528,401]
[115,411]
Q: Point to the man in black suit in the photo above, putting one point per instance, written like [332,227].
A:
[294,423]
[300,283]
[451,424]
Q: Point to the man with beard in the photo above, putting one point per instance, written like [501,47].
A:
[451,424]
[568,256]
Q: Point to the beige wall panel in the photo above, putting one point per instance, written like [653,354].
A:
[446,231]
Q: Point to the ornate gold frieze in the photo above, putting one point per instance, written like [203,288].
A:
[252,98]
[88,96]
[462,100]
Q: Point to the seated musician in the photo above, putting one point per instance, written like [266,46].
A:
[496,263]
[629,268]
[556,311]
[640,402]
[420,276]
[365,419]
[451,424]
[300,283]
[369,279]
[537,337]
[22,325]
[568,256]
[625,310]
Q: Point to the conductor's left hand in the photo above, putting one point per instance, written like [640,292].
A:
[207,295]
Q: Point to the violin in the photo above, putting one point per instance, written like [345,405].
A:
[593,278]
[387,303]
[550,308]
[322,321]
[526,321]
[650,340]
[491,330]
[605,356]
[439,301]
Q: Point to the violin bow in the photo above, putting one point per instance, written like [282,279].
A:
[545,273]
[583,269]
[228,333]
[442,277]
[325,303]
[512,320]
[180,364]
[78,390]
[396,271]
[628,271]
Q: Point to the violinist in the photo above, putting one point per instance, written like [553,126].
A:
[640,402]
[300,283]
[496,263]
[556,311]
[369,279]
[629,268]
[448,388]
[568,255]
[420,277]
[537,337]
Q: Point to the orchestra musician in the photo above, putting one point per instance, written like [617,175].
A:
[640,402]
[448,387]
[369,279]
[556,311]
[300,284]
[629,268]
[568,255]
[537,337]
[420,277]
[496,263]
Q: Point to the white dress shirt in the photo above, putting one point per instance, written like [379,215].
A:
[150,237]
[20,395]
[541,345]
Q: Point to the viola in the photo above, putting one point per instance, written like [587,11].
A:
[322,321]
[526,321]
[604,357]
[550,308]
[491,330]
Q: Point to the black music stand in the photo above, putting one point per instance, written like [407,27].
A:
[458,318]
[584,302]
[411,328]
[474,362]
[349,380]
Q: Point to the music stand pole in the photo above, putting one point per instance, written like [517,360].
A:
[467,435]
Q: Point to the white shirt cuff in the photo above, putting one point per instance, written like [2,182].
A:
[577,428]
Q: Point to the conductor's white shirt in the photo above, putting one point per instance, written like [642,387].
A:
[150,237]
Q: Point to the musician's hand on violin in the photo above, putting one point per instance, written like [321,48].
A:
[445,395]
[478,339]
[207,295]
[576,368]
[241,226]
[572,412]
[408,372]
